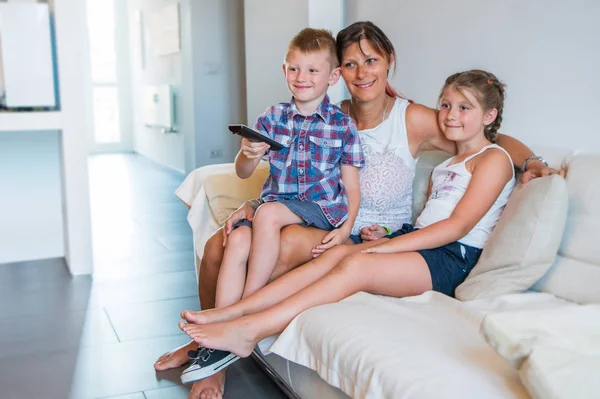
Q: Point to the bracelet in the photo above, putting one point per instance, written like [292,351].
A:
[387,230]
[255,203]
[531,158]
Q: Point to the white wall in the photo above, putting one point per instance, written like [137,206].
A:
[207,79]
[214,92]
[165,149]
[269,26]
[548,53]
[30,205]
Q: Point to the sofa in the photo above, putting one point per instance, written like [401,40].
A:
[526,322]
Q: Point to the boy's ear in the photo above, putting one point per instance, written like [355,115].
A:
[284,70]
[490,116]
[334,76]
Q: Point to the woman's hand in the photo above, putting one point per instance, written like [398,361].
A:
[537,169]
[254,150]
[333,238]
[372,233]
[246,211]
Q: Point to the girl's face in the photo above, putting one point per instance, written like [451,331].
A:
[461,117]
[365,72]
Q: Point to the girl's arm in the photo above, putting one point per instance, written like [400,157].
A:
[423,129]
[341,234]
[490,173]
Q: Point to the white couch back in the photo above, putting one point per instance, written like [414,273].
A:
[575,275]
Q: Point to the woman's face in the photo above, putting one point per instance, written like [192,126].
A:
[365,72]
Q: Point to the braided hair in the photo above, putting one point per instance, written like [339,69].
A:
[487,89]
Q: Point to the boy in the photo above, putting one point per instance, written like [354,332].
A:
[320,145]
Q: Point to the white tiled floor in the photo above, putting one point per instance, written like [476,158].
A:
[82,337]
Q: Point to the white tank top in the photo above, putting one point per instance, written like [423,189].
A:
[387,177]
[449,185]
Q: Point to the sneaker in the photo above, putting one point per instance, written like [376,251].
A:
[206,362]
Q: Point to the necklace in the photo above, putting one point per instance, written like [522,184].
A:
[387,103]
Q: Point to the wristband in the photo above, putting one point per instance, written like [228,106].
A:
[531,158]
[255,203]
[387,230]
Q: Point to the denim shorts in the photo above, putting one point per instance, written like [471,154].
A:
[449,265]
[308,211]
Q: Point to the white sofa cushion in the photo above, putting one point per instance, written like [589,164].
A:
[557,351]
[379,347]
[524,243]
[576,273]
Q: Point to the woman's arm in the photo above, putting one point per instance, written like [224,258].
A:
[489,176]
[424,132]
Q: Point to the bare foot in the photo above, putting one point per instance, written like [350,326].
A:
[209,388]
[175,358]
[211,315]
[236,336]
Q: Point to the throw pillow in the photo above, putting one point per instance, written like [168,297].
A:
[524,243]
[226,192]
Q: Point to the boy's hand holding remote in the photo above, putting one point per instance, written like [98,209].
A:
[254,149]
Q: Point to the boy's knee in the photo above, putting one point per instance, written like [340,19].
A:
[270,214]
[240,236]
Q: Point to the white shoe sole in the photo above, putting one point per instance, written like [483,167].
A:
[196,373]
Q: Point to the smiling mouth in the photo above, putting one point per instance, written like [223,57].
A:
[365,85]
[452,127]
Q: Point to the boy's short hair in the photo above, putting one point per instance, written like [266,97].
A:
[310,40]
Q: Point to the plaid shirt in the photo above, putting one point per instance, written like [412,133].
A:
[307,168]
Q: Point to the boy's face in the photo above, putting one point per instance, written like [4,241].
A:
[309,75]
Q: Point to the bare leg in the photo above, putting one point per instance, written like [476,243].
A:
[281,288]
[295,249]
[399,275]
[232,275]
[266,229]
[212,387]
[207,282]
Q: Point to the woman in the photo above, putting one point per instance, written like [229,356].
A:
[393,132]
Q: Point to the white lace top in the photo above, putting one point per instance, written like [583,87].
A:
[387,177]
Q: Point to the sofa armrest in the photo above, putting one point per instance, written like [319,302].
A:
[211,193]
[188,190]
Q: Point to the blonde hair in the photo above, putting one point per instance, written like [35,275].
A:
[310,40]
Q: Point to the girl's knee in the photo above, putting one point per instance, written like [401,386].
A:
[352,264]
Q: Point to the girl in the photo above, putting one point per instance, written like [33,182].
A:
[466,197]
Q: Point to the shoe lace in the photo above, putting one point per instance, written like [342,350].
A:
[201,354]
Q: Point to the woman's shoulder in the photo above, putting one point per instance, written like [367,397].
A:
[417,114]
